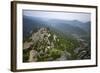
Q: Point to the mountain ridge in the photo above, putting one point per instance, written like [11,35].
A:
[34,23]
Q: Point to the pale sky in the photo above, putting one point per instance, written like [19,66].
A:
[83,17]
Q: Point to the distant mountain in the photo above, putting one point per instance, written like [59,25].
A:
[75,23]
[32,24]
[71,27]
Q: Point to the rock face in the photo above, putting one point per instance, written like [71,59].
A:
[45,45]
[32,56]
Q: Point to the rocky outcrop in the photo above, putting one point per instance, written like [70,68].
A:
[45,45]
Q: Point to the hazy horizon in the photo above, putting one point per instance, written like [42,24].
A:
[82,17]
